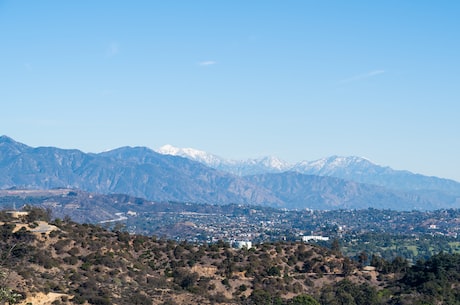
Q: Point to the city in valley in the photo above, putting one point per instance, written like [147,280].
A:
[410,234]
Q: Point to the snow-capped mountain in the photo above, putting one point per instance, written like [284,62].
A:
[331,166]
[241,168]
[193,154]
[142,172]
[362,170]
[135,171]
[352,168]
[335,166]
[343,167]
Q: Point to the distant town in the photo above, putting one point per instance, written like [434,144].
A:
[388,233]
[414,234]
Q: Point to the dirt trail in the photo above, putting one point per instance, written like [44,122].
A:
[42,299]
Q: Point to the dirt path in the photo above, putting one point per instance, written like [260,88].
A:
[42,299]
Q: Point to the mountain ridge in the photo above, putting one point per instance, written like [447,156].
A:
[358,169]
[137,171]
[145,173]
[237,167]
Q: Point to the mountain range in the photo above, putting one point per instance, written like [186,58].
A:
[351,168]
[188,175]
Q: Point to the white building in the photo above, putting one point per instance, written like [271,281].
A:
[307,238]
[17,214]
[243,244]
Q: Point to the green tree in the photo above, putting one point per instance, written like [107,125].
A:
[303,299]
[346,292]
[37,213]
[335,247]
[363,258]
[347,267]
[262,297]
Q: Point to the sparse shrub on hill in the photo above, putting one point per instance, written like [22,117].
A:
[90,264]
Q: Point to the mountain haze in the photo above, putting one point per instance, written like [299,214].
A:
[350,168]
[137,171]
[144,173]
[321,192]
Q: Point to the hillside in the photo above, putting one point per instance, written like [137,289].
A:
[69,263]
[85,263]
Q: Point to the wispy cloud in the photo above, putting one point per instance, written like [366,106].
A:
[362,76]
[207,63]
[113,49]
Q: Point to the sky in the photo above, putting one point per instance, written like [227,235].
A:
[299,80]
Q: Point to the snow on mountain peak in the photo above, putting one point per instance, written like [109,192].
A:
[328,166]
[168,150]
[270,164]
[191,153]
[175,151]
[275,163]
[333,166]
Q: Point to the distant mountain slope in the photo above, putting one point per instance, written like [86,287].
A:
[42,167]
[10,148]
[351,168]
[144,173]
[364,171]
[318,192]
[135,171]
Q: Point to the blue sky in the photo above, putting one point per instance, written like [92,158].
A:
[299,80]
